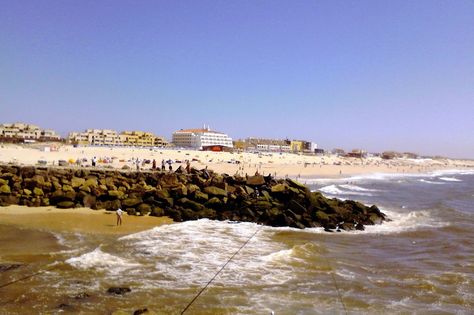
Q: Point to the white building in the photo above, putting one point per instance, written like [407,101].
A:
[201,138]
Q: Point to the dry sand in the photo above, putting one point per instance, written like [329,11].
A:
[284,164]
[82,220]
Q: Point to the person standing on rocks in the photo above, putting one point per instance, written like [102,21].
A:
[119,213]
[154,164]
[163,166]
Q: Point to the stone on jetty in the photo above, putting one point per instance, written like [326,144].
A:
[201,194]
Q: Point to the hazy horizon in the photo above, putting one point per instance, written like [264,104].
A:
[375,75]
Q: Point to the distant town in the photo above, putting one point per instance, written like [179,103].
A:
[198,139]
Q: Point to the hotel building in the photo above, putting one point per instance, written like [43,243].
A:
[201,139]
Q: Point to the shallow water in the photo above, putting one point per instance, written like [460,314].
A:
[420,262]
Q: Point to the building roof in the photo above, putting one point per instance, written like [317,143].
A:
[200,130]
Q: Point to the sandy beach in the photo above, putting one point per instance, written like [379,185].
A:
[277,164]
[80,220]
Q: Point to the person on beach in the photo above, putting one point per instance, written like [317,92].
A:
[94,161]
[163,165]
[119,213]
[154,164]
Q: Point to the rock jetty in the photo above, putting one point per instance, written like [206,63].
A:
[200,194]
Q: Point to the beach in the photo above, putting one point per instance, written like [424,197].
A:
[277,164]
[65,260]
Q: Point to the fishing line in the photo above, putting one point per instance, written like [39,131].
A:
[335,284]
[26,277]
[218,272]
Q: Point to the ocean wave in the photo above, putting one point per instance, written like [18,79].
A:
[190,253]
[450,179]
[336,190]
[431,182]
[356,188]
[101,261]
[404,222]
[387,176]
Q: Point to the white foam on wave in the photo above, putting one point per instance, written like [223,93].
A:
[400,222]
[450,179]
[404,222]
[431,182]
[349,190]
[331,190]
[190,253]
[101,261]
[357,188]
[388,176]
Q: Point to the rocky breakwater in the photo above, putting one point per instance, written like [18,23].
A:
[182,197]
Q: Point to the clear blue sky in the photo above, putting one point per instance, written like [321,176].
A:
[377,75]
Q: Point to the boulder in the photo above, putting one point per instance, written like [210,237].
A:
[66,188]
[162,194]
[77,182]
[256,180]
[144,209]
[214,203]
[38,191]
[215,191]
[157,212]
[5,189]
[65,204]
[190,204]
[131,202]
[200,196]
[297,185]
[89,201]
[116,194]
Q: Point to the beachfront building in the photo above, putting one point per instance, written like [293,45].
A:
[142,139]
[263,145]
[106,137]
[21,132]
[202,139]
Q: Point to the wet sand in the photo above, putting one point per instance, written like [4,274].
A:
[81,220]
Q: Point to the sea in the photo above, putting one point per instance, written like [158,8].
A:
[419,262]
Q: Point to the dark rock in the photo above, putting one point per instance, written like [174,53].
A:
[256,180]
[5,189]
[214,203]
[119,290]
[65,204]
[157,212]
[131,202]
[144,209]
[215,191]
[89,201]
[141,311]
[200,196]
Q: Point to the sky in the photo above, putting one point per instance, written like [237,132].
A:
[377,75]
